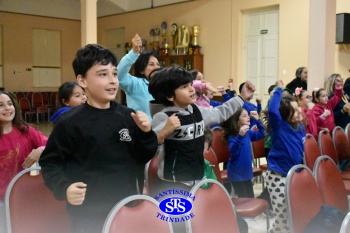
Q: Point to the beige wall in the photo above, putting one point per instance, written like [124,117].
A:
[17,48]
[221,37]
[342,52]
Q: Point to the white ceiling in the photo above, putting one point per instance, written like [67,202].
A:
[70,9]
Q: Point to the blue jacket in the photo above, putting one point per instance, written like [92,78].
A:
[251,107]
[239,167]
[215,103]
[135,88]
[287,143]
[59,112]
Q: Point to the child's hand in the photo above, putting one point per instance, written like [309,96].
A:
[279,83]
[76,193]
[172,123]
[254,114]
[326,113]
[32,158]
[221,89]
[248,90]
[243,130]
[142,121]
[346,107]
[136,44]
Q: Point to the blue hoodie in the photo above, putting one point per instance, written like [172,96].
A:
[57,114]
[287,143]
[239,167]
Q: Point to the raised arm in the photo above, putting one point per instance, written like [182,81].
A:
[125,78]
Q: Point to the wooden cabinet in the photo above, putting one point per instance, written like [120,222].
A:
[189,62]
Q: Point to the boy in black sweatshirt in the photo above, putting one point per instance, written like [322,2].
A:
[93,151]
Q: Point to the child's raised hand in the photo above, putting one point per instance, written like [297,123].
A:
[142,121]
[326,113]
[254,114]
[279,83]
[243,130]
[136,43]
[221,89]
[248,90]
[76,193]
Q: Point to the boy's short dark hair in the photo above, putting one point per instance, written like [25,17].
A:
[142,62]
[271,89]
[166,80]
[90,55]
[241,87]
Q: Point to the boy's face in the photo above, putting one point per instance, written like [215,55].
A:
[184,95]
[101,85]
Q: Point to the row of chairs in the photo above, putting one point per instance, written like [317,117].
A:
[336,146]
[37,104]
[212,208]
[31,207]
[306,191]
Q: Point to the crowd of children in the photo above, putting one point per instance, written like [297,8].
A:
[93,156]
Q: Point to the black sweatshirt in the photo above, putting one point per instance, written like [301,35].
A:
[100,147]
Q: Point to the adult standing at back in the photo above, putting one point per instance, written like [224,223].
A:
[136,87]
[300,80]
[342,109]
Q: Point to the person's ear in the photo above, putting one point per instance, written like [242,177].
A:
[171,99]
[81,81]
[65,102]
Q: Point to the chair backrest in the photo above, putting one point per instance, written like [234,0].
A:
[330,183]
[303,197]
[213,209]
[151,176]
[29,95]
[325,143]
[220,148]
[258,149]
[19,95]
[37,100]
[341,143]
[347,131]
[24,104]
[31,206]
[210,156]
[345,227]
[45,97]
[139,218]
[53,96]
[311,151]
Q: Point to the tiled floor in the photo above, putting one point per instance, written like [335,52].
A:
[256,225]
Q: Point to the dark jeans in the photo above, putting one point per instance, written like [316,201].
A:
[243,188]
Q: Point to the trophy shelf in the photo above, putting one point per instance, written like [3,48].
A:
[189,62]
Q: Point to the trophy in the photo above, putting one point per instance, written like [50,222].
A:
[195,30]
[183,39]
[174,37]
[194,45]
